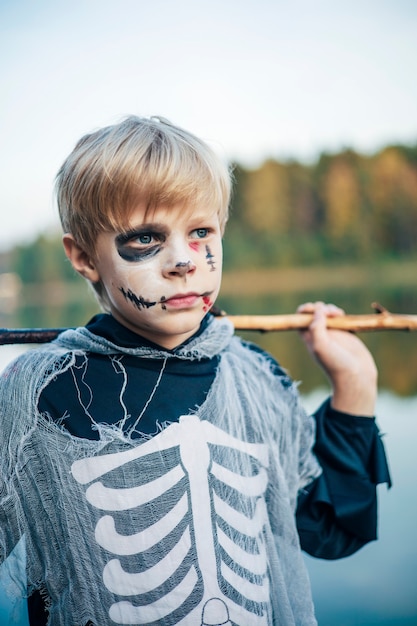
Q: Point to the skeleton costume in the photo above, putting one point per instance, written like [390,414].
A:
[187,519]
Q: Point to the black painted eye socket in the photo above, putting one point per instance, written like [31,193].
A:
[137,238]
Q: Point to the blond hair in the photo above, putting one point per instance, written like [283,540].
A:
[139,160]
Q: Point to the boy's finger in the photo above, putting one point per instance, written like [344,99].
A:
[330,309]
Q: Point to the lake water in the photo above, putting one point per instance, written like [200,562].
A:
[377,585]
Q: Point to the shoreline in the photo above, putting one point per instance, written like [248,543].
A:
[302,279]
[241,283]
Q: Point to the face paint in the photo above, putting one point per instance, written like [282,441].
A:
[137,301]
[207,303]
[210,259]
[144,289]
[131,253]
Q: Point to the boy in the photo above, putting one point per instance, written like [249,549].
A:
[158,469]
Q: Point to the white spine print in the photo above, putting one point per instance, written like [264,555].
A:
[230,579]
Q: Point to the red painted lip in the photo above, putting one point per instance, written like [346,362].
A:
[182,300]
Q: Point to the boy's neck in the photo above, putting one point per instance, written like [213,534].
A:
[107,326]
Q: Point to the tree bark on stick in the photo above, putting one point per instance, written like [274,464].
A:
[300,321]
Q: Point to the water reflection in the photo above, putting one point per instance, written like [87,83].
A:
[377,585]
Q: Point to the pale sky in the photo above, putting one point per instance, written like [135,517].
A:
[255,78]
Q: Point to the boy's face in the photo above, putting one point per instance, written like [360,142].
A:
[163,275]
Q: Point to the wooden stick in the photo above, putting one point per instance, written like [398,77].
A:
[264,323]
[300,321]
[28,335]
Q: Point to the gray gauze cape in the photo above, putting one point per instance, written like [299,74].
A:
[193,526]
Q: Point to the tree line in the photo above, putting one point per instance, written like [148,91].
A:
[345,207]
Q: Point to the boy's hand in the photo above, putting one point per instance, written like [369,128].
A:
[344,358]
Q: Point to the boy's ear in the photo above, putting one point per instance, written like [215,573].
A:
[80,260]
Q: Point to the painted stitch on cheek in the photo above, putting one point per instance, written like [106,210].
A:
[139,302]
[210,259]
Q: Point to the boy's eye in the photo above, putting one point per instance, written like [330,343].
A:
[135,246]
[144,239]
[200,233]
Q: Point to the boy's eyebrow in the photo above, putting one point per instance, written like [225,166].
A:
[141,228]
[159,227]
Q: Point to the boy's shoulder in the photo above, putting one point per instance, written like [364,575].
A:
[33,364]
[274,365]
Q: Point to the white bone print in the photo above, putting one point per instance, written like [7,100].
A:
[213,562]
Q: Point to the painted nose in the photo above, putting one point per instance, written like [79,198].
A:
[184,267]
[181,268]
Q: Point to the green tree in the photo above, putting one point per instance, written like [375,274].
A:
[41,261]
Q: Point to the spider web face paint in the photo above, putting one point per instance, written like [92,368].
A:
[185,540]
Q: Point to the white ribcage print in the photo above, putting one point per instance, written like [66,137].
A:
[199,553]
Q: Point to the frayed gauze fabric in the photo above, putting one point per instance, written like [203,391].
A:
[193,526]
